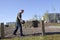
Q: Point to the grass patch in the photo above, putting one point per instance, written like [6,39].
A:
[47,37]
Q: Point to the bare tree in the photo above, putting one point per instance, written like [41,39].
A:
[46,16]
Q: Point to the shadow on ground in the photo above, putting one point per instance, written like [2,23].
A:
[47,33]
[35,34]
[51,33]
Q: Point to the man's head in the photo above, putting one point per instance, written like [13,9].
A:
[21,11]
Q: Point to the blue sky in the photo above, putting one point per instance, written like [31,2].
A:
[10,8]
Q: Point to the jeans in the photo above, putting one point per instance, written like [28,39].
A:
[18,25]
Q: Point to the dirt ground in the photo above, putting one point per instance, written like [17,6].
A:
[31,30]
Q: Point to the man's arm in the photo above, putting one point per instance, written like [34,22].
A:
[19,16]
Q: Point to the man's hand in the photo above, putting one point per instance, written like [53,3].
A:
[22,21]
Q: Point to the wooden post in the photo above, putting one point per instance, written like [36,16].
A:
[2,30]
[43,28]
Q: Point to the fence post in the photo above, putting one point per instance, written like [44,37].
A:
[2,30]
[43,28]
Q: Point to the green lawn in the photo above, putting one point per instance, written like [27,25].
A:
[47,37]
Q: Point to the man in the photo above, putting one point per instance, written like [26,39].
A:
[18,22]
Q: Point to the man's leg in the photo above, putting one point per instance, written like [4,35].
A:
[15,30]
[21,32]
